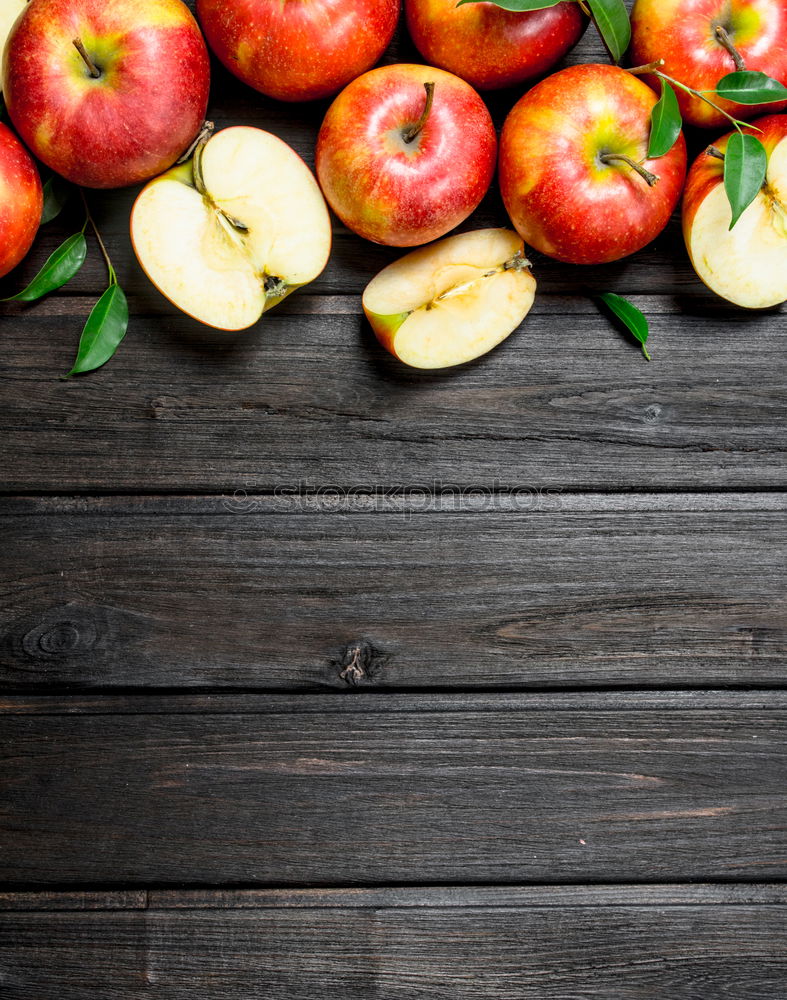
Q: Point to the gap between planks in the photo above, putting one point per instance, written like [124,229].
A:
[415,897]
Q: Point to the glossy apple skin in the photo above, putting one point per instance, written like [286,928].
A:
[515,47]
[298,50]
[21,200]
[137,118]
[681,32]
[394,193]
[561,198]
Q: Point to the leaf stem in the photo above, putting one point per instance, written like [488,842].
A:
[646,175]
[654,69]
[412,133]
[89,218]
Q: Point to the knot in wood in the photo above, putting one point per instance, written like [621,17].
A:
[58,637]
[359,663]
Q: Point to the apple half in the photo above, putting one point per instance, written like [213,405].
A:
[229,234]
[9,12]
[746,265]
[452,301]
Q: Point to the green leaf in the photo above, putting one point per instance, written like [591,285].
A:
[517,5]
[629,315]
[59,268]
[56,194]
[612,20]
[750,87]
[105,328]
[745,163]
[665,123]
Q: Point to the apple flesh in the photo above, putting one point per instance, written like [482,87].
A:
[399,167]
[9,12]
[746,265]
[230,234]
[125,109]
[298,51]
[684,34]
[451,302]
[570,152]
[21,200]
[516,46]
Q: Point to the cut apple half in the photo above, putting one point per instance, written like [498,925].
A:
[452,301]
[9,12]
[235,230]
[748,264]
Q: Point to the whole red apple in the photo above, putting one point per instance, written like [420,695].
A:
[406,153]
[747,264]
[21,200]
[698,39]
[491,47]
[298,51]
[106,92]
[574,172]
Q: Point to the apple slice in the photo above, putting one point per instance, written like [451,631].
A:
[235,230]
[452,301]
[746,265]
[9,12]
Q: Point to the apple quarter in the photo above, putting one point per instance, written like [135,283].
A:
[452,301]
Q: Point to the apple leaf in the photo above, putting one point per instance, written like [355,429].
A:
[631,317]
[612,20]
[56,194]
[665,123]
[517,5]
[751,87]
[745,164]
[105,328]
[59,268]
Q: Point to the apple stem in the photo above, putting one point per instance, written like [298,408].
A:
[646,175]
[205,132]
[412,133]
[716,153]
[726,43]
[95,72]
[89,218]
[651,67]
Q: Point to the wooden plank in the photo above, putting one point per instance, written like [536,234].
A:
[548,794]
[565,403]
[294,592]
[624,944]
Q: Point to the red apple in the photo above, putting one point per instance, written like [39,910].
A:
[491,47]
[21,200]
[401,168]
[298,51]
[747,264]
[123,108]
[574,172]
[684,34]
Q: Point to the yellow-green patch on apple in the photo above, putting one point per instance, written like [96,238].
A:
[452,301]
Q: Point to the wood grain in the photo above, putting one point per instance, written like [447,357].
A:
[523,944]
[509,793]
[564,403]
[541,591]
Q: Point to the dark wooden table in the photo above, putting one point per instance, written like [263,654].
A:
[322,676]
